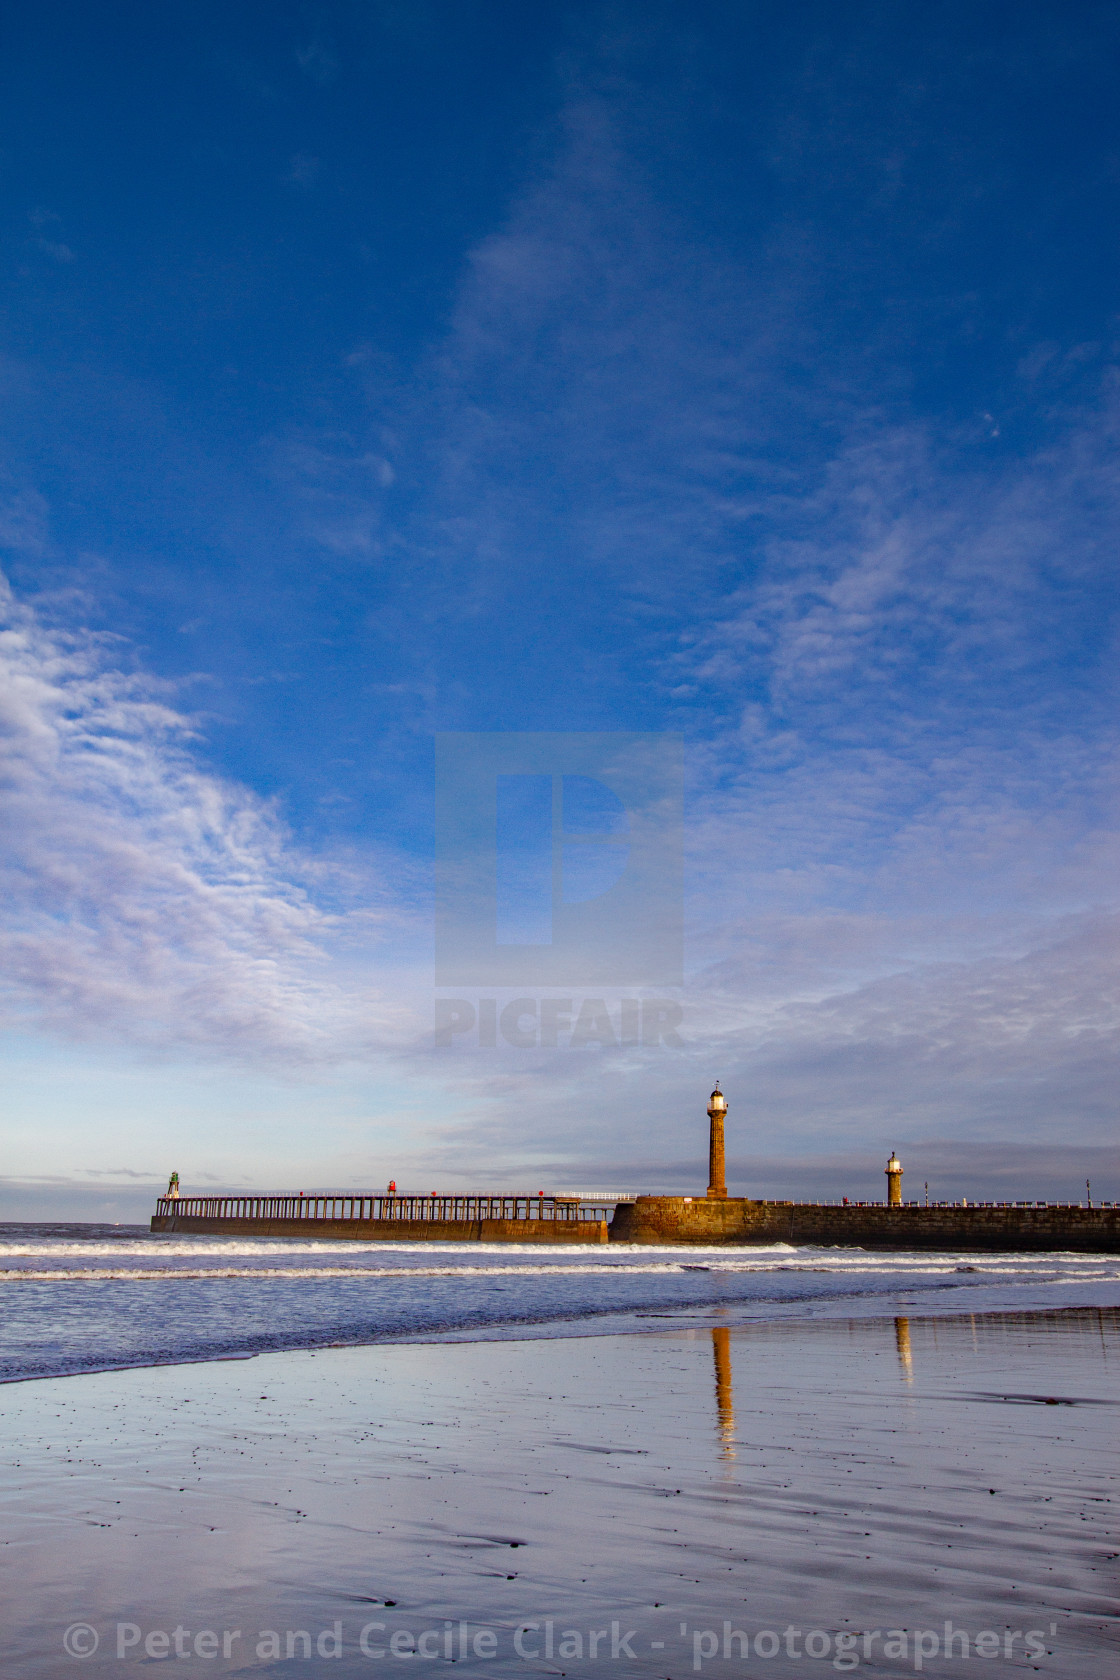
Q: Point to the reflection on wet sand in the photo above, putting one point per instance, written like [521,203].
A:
[419,1483]
[725,1395]
[725,1399]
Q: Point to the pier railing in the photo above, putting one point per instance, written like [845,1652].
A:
[432,1209]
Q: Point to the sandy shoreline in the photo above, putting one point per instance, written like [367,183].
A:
[829,1477]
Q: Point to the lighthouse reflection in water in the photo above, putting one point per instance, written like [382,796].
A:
[725,1393]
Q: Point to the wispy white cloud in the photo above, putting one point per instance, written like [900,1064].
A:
[146,898]
[605,396]
[892,658]
[913,695]
[889,652]
[338,482]
[939,579]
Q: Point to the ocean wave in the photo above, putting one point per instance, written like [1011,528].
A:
[107,1303]
[217,1263]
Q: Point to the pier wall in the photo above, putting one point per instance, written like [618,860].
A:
[677,1219]
[392,1230]
[648,1220]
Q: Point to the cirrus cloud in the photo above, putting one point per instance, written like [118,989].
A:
[144,896]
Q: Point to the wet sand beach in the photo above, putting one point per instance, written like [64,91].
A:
[827,1495]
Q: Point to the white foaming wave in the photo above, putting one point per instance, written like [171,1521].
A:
[723,1256]
[1076,1268]
[195,1246]
[15,1274]
[147,1259]
[189,1250]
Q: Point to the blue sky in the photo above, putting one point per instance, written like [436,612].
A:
[743,372]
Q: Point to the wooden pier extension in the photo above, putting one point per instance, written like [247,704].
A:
[510,1219]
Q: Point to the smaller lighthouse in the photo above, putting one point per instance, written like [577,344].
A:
[717,1109]
[893,1170]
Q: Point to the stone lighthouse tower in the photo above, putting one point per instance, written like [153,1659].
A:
[717,1109]
[893,1170]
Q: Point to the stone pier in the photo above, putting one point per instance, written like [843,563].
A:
[705,1220]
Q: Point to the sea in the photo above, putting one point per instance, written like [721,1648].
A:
[78,1298]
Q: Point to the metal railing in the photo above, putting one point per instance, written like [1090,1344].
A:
[607,1198]
[431,1209]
